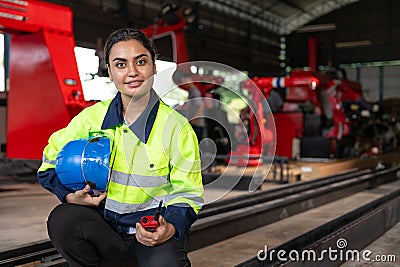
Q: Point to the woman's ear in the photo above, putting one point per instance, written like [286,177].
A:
[109,73]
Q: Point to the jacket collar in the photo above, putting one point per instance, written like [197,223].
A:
[143,124]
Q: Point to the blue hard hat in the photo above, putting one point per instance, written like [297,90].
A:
[85,161]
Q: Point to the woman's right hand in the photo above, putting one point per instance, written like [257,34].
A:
[82,197]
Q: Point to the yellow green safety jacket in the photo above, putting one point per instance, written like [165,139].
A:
[155,158]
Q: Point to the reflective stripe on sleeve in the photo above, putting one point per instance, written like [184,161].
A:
[46,160]
[198,201]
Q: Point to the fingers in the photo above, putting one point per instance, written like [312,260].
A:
[83,197]
[100,198]
[164,232]
[161,220]
[146,238]
[83,192]
[86,189]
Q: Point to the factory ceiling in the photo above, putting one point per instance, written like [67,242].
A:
[279,16]
[252,34]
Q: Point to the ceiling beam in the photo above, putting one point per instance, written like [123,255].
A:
[244,12]
[257,14]
[314,11]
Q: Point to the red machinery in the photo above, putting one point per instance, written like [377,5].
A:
[170,21]
[45,90]
[259,138]
[42,63]
[324,125]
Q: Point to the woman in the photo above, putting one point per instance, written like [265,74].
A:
[155,157]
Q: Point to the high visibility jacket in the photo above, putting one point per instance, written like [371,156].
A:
[156,158]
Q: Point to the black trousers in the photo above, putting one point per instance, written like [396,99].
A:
[84,238]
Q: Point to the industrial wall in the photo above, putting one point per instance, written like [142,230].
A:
[374,25]
[379,82]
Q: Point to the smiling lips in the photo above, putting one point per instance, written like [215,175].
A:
[134,84]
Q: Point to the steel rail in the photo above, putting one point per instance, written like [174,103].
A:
[212,229]
[275,193]
[33,252]
[350,228]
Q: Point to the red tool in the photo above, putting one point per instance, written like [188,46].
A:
[150,223]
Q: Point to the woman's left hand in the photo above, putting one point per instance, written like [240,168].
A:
[164,232]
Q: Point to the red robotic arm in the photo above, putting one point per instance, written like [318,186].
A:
[44,90]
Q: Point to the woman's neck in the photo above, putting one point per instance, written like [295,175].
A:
[132,107]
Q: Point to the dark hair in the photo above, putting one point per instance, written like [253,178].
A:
[127,34]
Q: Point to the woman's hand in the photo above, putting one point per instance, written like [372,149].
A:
[82,197]
[164,232]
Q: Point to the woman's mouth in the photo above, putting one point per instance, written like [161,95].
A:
[134,84]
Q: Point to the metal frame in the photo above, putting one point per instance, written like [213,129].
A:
[258,13]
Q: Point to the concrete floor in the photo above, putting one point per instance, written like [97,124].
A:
[24,210]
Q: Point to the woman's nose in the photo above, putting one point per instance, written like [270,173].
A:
[133,71]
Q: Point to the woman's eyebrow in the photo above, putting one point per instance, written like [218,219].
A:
[119,59]
[124,59]
[141,55]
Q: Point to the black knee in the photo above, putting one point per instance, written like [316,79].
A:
[64,227]
[60,224]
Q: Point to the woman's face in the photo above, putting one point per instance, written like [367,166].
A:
[131,68]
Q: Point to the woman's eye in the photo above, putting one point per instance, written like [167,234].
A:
[120,65]
[141,62]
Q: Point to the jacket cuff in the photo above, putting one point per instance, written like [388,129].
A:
[49,180]
[181,218]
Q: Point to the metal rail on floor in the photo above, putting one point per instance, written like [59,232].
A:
[276,193]
[234,216]
[34,252]
[218,227]
[350,232]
